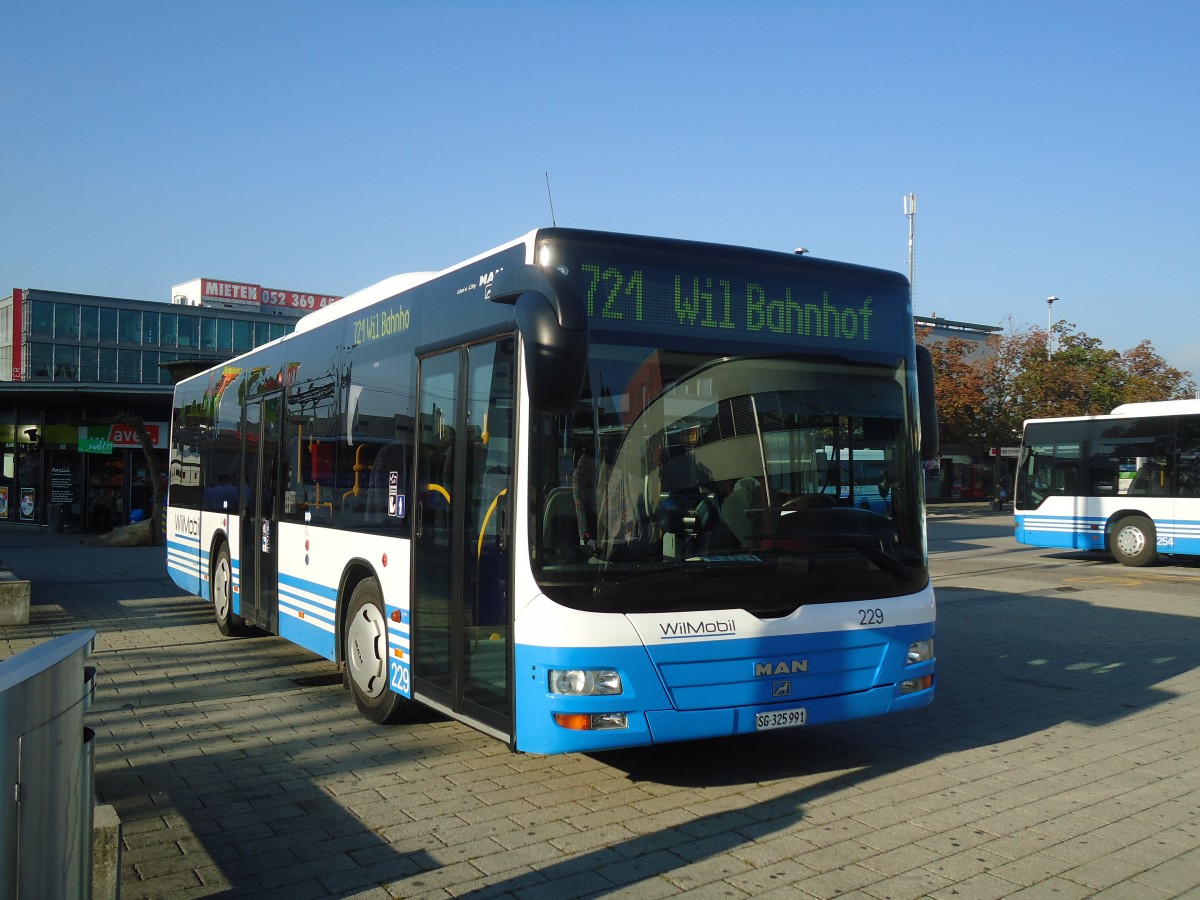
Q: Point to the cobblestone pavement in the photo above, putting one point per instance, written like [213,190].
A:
[1060,759]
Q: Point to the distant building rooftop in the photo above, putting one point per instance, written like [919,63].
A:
[951,325]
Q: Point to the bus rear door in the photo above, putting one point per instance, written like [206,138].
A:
[260,519]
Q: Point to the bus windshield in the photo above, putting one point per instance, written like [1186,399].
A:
[688,480]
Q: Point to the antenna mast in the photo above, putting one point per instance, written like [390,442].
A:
[910,212]
[551,199]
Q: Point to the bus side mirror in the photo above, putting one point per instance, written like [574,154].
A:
[927,404]
[555,335]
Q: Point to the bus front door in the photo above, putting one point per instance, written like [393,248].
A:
[462,609]
[260,521]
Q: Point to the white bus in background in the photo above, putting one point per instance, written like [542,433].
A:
[858,478]
[1126,483]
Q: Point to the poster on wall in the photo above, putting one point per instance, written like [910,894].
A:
[28,495]
[3,501]
[62,488]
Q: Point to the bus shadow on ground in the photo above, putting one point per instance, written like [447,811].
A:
[153,600]
[264,828]
[274,815]
[1165,564]
[1009,665]
[271,831]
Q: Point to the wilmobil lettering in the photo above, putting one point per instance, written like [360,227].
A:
[185,524]
[698,629]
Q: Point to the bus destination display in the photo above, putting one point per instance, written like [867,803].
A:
[628,296]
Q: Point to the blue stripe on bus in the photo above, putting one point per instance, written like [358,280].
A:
[311,632]
[313,587]
[308,614]
[399,628]
[1181,536]
[724,683]
[187,564]
[1068,532]
[1089,533]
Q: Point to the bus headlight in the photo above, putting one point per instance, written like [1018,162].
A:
[585,682]
[920,651]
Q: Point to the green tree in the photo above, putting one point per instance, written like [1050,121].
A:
[985,392]
[960,395]
[1148,377]
[1079,378]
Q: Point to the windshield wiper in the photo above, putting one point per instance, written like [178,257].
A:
[649,575]
[874,553]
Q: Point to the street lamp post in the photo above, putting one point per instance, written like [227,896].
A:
[1049,323]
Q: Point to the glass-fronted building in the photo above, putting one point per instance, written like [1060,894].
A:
[52,336]
[77,370]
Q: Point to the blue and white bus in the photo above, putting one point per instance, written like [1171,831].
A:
[1127,484]
[574,492]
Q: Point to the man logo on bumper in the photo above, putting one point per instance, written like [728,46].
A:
[781,689]
[782,667]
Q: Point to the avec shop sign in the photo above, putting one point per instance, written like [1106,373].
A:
[106,438]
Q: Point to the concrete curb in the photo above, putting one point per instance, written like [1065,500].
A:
[106,853]
[14,599]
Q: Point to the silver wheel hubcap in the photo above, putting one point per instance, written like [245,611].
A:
[221,589]
[1131,541]
[366,651]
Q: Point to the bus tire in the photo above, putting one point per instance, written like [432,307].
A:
[1133,541]
[221,587]
[365,651]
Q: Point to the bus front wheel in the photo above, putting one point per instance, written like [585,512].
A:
[1133,541]
[220,582]
[366,656]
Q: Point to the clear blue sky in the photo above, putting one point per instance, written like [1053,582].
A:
[1054,148]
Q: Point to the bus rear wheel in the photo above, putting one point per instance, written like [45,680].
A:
[220,583]
[1133,541]
[366,655]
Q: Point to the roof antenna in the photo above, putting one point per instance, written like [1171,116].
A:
[551,198]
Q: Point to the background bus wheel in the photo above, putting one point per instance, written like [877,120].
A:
[1133,541]
[366,655]
[221,585]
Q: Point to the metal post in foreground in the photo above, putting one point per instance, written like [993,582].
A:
[47,770]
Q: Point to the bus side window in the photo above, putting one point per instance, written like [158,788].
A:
[1188,460]
[372,478]
[1041,476]
[1068,482]
[387,486]
[1153,477]
[308,475]
[1189,477]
